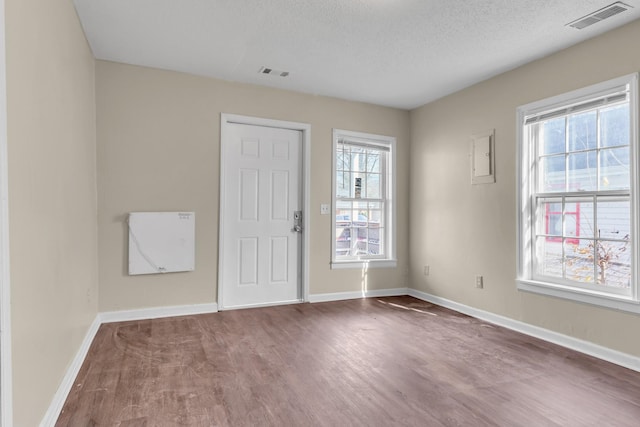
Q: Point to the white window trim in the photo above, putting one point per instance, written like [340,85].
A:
[390,260]
[524,278]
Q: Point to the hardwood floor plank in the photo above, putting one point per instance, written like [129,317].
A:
[370,362]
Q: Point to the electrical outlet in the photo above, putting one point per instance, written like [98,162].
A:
[426,270]
[479,282]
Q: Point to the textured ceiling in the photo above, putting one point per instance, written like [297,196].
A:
[399,53]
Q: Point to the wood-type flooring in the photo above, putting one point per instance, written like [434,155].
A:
[371,362]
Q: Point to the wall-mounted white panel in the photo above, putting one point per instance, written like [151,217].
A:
[483,158]
[161,242]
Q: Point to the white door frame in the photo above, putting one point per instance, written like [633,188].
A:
[6,396]
[225,121]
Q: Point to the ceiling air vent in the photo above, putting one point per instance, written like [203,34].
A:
[599,15]
[272,72]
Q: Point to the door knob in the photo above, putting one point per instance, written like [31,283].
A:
[297,222]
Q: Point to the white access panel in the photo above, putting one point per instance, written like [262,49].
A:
[161,242]
[483,158]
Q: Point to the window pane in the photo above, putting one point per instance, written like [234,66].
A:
[549,216]
[362,206]
[343,214]
[373,161]
[342,160]
[582,131]
[359,220]
[553,136]
[361,245]
[614,264]
[614,169]
[582,174]
[579,217]
[570,225]
[358,186]
[614,218]
[343,232]
[548,257]
[343,241]
[373,186]
[343,184]
[359,214]
[375,219]
[379,247]
[551,174]
[359,161]
[339,159]
[342,204]
[614,126]
[579,264]
[375,234]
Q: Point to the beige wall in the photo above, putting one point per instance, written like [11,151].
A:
[159,150]
[462,230]
[52,190]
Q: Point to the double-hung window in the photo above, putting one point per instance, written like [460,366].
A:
[363,222]
[578,195]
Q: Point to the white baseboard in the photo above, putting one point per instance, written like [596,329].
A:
[600,352]
[595,350]
[156,312]
[339,296]
[52,414]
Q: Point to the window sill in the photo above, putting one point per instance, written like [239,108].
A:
[365,264]
[617,302]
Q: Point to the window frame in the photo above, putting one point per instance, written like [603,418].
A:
[526,180]
[388,175]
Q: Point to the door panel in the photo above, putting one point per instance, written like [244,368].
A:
[248,261]
[249,184]
[262,191]
[279,259]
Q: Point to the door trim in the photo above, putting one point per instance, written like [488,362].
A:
[6,391]
[305,129]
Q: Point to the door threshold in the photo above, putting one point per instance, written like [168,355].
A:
[261,305]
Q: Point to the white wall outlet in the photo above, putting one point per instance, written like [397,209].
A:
[479,282]
[426,270]
[324,209]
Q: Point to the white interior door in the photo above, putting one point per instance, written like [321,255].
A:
[260,259]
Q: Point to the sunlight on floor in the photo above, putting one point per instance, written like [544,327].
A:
[406,308]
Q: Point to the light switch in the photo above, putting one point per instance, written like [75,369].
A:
[324,209]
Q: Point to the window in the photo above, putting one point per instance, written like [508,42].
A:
[578,195]
[363,221]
